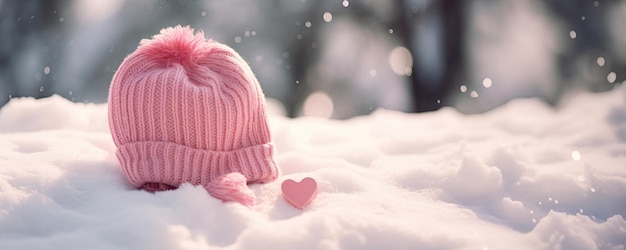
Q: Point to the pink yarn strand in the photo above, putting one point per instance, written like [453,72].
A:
[231,187]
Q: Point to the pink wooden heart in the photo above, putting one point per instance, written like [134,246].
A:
[299,194]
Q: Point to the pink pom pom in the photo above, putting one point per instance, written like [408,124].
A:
[178,44]
[231,187]
[197,55]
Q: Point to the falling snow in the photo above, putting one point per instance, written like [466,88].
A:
[328,17]
[487,82]
[575,155]
[611,77]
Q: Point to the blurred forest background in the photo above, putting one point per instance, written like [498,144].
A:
[333,58]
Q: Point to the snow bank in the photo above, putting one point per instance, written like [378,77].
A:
[523,176]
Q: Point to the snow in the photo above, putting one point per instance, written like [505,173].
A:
[522,176]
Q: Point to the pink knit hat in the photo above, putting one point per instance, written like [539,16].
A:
[184,109]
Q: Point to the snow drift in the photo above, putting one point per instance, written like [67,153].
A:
[523,176]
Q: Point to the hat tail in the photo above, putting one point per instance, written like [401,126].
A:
[231,187]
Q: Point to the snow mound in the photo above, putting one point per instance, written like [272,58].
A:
[523,176]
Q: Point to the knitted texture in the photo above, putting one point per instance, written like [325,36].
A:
[183,109]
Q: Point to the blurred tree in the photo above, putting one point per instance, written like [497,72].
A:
[590,22]
[47,48]
[23,47]
[444,19]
